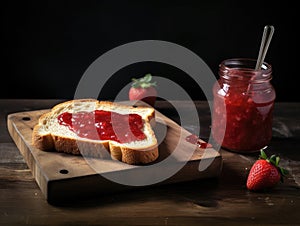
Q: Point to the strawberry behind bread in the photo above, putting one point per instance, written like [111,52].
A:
[143,89]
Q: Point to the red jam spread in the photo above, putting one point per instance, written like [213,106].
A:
[104,125]
[193,139]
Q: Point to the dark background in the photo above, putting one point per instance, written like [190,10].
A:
[48,45]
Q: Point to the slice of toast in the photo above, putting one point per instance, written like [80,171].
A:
[52,134]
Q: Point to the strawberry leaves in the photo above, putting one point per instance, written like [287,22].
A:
[274,160]
[144,82]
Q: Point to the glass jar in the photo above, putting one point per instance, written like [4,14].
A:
[243,105]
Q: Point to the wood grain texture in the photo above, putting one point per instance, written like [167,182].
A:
[223,200]
[63,176]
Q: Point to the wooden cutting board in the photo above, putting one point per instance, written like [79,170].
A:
[62,176]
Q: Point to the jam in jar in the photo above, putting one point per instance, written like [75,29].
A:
[243,106]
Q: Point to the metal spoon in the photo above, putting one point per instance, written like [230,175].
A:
[265,42]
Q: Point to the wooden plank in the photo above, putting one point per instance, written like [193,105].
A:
[61,176]
[11,154]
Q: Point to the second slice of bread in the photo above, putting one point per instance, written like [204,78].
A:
[48,134]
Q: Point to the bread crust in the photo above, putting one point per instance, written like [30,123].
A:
[95,148]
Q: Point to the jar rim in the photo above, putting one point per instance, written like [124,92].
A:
[266,68]
[244,68]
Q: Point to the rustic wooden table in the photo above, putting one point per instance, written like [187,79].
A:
[222,200]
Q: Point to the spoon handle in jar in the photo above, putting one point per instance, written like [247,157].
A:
[265,42]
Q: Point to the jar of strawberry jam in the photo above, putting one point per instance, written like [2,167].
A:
[243,106]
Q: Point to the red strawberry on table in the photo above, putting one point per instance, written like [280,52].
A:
[143,89]
[265,173]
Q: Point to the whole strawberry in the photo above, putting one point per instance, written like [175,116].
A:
[143,89]
[265,173]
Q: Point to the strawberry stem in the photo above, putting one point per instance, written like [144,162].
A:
[263,155]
